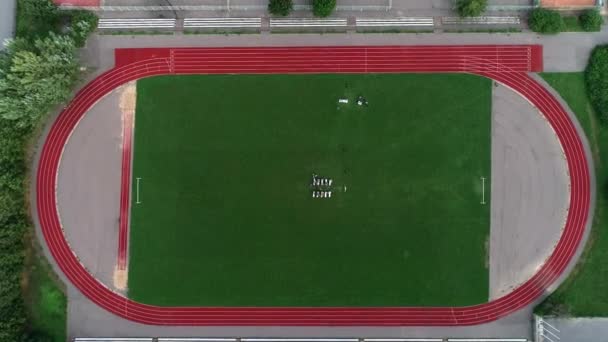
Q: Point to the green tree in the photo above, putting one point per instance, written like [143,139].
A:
[596,78]
[545,21]
[591,20]
[82,24]
[38,78]
[471,8]
[36,18]
[323,8]
[280,7]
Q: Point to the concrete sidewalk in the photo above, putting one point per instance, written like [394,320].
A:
[8,12]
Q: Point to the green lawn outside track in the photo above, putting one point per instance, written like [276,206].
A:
[227,218]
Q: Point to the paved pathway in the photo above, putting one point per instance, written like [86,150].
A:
[89,179]
[530,191]
[7,20]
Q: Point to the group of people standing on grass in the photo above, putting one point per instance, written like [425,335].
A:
[321,187]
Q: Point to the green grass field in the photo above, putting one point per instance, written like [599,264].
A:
[226,215]
[585,292]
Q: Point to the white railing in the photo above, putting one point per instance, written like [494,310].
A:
[506,20]
[197,339]
[135,23]
[395,22]
[338,22]
[312,339]
[113,339]
[487,340]
[222,23]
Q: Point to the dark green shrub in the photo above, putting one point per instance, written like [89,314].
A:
[36,18]
[280,7]
[82,24]
[591,20]
[596,79]
[39,62]
[323,8]
[471,8]
[545,21]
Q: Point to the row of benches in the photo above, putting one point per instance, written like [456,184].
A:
[229,23]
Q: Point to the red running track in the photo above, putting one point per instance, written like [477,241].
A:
[125,188]
[505,64]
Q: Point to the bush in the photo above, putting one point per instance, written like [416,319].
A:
[545,21]
[82,24]
[38,78]
[596,79]
[471,8]
[37,71]
[323,8]
[36,18]
[591,20]
[280,7]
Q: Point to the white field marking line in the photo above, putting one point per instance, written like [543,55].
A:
[197,339]
[137,201]
[549,331]
[543,322]
[483,190]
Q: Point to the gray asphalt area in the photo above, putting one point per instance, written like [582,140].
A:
[530,191]
[88,188]
[7,20]
[576,330]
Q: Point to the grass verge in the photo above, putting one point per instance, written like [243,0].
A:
[45,301]
[585,292]
[572,24]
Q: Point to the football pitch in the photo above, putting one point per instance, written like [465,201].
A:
[226,214]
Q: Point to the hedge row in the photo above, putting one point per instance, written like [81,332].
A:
[548,21]
[471,8]
[37,71]
[596,79]
[320,8]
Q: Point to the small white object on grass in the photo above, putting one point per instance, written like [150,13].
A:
[343,100]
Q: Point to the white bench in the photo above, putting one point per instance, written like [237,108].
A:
[135,23]
[503,20]
[222,23]
[395,22]
[305,22]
